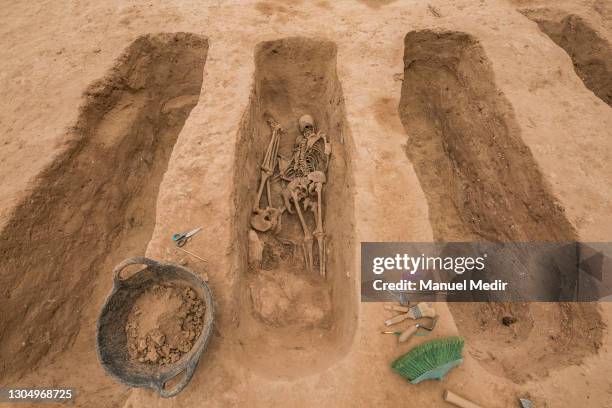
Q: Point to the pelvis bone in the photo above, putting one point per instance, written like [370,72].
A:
[266,219]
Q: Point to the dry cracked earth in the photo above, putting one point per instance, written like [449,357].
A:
[124,122]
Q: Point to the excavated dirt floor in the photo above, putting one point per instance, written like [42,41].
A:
[482,184]
[95,204]
[459,120]
[590,51]
[295,318]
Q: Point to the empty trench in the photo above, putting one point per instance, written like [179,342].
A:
[293,321]
[590,52]
[95,204]
[482,184]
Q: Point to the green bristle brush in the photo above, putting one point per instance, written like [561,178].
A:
[431,360]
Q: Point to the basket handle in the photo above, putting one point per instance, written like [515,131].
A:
[139,260]
[187,373]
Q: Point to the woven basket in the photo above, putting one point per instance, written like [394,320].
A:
[111,338]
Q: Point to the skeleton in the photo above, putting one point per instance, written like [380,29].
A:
[304,175]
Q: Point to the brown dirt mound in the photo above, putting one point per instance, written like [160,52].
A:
[482,184]
[164,324]
[95,205]
[590,52]
[299,319]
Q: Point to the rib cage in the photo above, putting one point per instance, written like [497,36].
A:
[306,160]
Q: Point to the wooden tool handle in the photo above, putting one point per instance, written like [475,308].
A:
[458,401]
[397,319]
[406,334]
[396,308]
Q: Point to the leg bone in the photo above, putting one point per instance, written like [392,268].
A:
[319,233]
[307,233]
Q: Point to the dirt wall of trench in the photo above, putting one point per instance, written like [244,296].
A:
[95,204]
[483,184]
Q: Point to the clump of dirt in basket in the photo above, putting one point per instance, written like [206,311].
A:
[164,324]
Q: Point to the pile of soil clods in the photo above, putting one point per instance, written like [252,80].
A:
[164,324]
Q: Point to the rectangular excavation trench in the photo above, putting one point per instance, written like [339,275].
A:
[483,185]
[294,322]
[591,53]
[95,204]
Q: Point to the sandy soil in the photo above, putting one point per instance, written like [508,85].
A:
[114,136]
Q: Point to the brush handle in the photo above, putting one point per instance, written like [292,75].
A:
[402,309]
[407,334]
[458,401]
[397,319]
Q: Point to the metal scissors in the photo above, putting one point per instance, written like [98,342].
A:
[182,237]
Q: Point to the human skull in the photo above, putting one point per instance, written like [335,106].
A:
[306,124]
